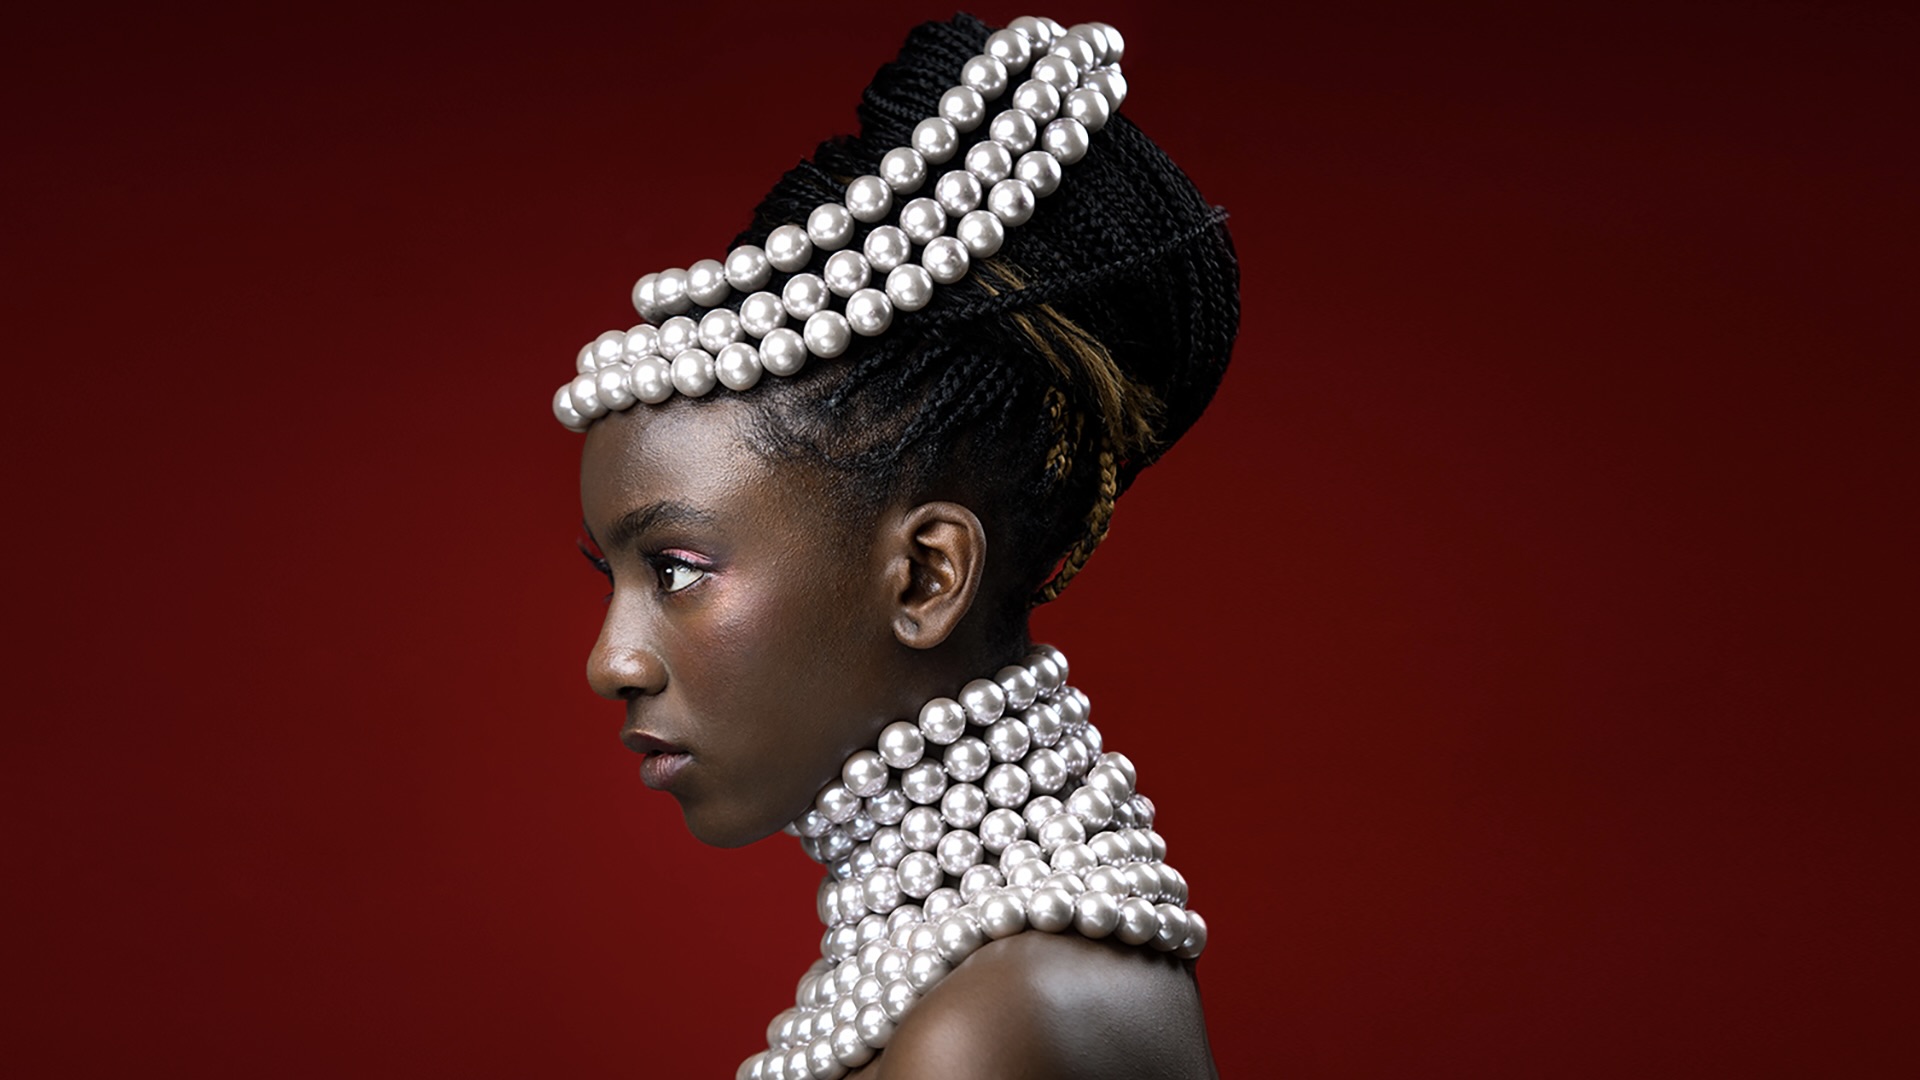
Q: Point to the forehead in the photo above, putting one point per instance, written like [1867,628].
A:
[693,453]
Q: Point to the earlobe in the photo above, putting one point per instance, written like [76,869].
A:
[940,549]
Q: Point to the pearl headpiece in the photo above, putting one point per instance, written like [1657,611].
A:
[916,242]
[997,811]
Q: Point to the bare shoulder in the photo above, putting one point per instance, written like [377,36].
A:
[1046,1006]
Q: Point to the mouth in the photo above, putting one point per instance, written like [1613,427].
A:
[662,762]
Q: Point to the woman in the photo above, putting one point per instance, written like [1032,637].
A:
[828,478]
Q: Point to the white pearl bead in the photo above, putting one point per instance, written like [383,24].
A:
[1003,915]
[1060,829]
[1075,859]
[897,999]
[707,282]
[1014,130]
[985,74]
[874,1027]
[584,361]
[1095,34]
[1011,201]
[922,219]
[1108,848]
[1000,827]
[849,1048]
[1116,44]
[918,874]
[864,774]
[869,198]
[1106,879]
[829,227]
[1066,139]
[901,744]
[924,783]
[1057,72]
[1037,99]
[1110,781]
[958,938]
[1089,106]
[804,295]
[1050,910]
[869,312]
[1010,47]
[922,828]
[1095,914]
[942,720]
[847,272]
[747,268]
[822,1061]
[910,287]
[984,701]
[1076,49]
[646,299]
[676,335]
[719,328]
[968,759]
[1124,764]
[641,341]
[989,162]
[1045,769]
[1138,922]
[827,334]
[958,192]
[957,850]
[762,313]
[671,291]
[836,802]
[887,247]
[1111,84]
[1092,807]
[926,967]
[903,169]
[607,348]
[882,891]
[788,247]
[1007,739]
[564,411]
[1022,851]
[1039,32]
[693,373]
[934,139]
[888,807]
[1040,171]
[1196,937]
[1028,875]
[963,806]
[783,352]
[963,107]
[1039,810]
[1008,785]
[611,383]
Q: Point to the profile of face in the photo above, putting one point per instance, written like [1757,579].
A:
[758,632]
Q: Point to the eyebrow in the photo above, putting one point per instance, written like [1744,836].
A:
[639,521]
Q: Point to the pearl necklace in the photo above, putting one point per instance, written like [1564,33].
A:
[948,835]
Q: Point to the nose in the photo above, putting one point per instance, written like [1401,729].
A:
[624,662]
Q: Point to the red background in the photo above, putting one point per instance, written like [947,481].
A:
[1520,651]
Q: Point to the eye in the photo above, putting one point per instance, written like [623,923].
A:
[676,573]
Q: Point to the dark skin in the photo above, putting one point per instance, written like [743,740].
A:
[766,633]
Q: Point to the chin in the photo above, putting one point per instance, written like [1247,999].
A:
[714,827]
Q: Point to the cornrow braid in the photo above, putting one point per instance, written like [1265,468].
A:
[1097,521]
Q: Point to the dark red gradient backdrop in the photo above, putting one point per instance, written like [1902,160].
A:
[1521,650]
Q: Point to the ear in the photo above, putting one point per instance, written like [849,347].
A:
[937,554]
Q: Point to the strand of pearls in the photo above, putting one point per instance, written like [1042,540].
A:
[1073,85]
[995,812]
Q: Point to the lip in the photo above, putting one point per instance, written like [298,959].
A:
[663,761]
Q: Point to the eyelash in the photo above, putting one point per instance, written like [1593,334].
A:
[662,565]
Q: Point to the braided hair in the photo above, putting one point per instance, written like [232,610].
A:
[1037,388]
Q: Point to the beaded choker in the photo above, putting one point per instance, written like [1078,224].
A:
[1072,86]
[996,812]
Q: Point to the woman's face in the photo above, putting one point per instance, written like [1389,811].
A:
[748,631]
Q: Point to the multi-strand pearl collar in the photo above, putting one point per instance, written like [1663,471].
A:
[1073,84]
[954,832]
